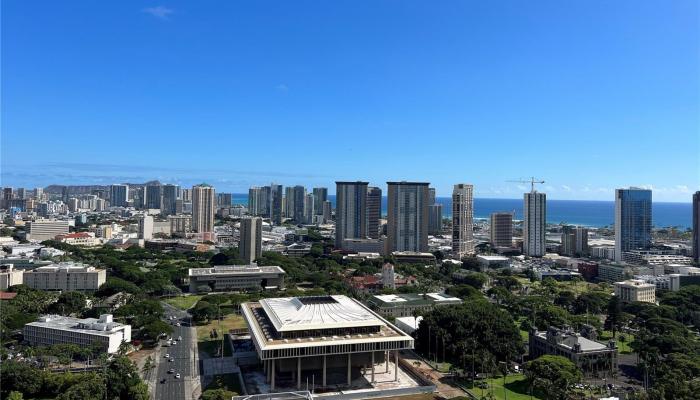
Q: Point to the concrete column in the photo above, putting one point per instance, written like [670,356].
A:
[272,377]
[372,367]
[396,365]
[349,363]
[324,370]
[298,373]
[386,359]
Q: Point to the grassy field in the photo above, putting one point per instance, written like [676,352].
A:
[233,321]
[623,347]
[228,382]
[183,302]
[211,346]
[516,388]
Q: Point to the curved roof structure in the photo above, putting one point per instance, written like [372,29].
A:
[317,312]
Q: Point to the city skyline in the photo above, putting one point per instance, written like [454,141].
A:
[413,87]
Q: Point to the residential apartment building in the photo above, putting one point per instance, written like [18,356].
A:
[203,209]
[501,226]
[350,211]
[374,211]
[435,219]
[320,195]
[250,246]
[180,224]
[171,194]
[153,196]
[534,223]
[119,195]
[462,220]
[407,216]
[632,220]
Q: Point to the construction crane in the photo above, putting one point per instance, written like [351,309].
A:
[532,182]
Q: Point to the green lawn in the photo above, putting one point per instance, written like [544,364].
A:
[516,388]
[228,382]
[183,302]
[212,346]
[623,347]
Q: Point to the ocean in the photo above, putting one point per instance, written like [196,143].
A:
[576,212]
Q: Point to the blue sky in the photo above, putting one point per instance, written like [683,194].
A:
[587,95]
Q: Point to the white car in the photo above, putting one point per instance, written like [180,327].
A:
[178,324]
[167,356]
[177,376]
[179,338]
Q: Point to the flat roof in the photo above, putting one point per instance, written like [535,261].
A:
[409,183]
[235,270]
[493,258]
[406,299]
[90,326]
[317,312]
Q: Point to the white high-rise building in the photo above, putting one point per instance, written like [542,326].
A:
[463,220]
[407,216]
[350,211]
[250,246]
[203,208]
[146,227]
[534,223]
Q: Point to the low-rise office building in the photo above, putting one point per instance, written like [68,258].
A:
[413,257]
[236,277]
[65,276]
[671,282]
[404,305]
[592,357]
[364,245]
[655,257]
[493,262]
[635,290]
[327,340]
[56,329]
[84,239]
[614,272]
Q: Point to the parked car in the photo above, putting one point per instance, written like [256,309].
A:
[177,376]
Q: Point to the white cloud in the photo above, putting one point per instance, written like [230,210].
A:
[160,12]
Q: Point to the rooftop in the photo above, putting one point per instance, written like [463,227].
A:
[103,326]
[64,266]
[395,300]
[235,270]
[569,339]
[317,312]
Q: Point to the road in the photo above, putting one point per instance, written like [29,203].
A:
[182,355]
